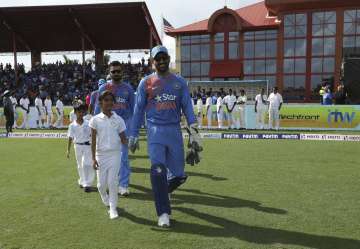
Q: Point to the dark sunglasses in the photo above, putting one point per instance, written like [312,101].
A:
[115,71]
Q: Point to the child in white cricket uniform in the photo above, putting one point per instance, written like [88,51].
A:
[40,110]
[60,113]
[208,106]
[48,111]
[108,135]
[199,107]
[79,132]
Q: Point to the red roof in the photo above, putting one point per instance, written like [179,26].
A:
[255,15]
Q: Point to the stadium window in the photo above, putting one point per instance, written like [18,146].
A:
[351,28]
[195,50]
[260,52]
[219,51]
[294,67]
[233,45]
[323,48]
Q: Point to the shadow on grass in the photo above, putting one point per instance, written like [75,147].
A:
[206,199]
[197,174]
[226,228]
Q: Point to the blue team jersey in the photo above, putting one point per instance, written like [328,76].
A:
[94,101]
[162,99]
[124,98]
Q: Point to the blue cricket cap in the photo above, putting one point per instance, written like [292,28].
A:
[101,82]
[159,49]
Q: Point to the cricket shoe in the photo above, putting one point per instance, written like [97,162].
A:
[124,191]
[164,220]
[176,182]
[113,214]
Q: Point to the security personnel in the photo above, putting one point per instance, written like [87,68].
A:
[8,112]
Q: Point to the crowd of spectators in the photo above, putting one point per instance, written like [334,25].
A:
[62,79]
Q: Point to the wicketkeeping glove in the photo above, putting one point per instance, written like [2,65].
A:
[134,144]
[194,145]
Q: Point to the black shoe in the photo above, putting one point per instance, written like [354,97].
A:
[175,183]
[87,189]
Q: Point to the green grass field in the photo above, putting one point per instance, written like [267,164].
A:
[245,194]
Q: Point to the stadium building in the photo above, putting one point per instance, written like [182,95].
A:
[295,44]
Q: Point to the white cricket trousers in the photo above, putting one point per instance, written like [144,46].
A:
[84,165]
[242,122]
[25,123]
[274,117]
[260,117]
[220,117]
[108,177]
[60,121]
[209,119]
[49,117]
[199,120]
[231,120]
[235,124]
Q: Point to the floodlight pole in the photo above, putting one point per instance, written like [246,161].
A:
[15,57]
[83,58]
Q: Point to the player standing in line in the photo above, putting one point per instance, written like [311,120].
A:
[8,112]
[208,106]
[14,104]
[40,110]
[124,107]
[241,101]
[260,109]
[94,99]
[230,103]
[79,133]
[220,110]
[108,136]
[24,105]
[275,102]
[48,111]
[59,113]
[164,96]
[199,107]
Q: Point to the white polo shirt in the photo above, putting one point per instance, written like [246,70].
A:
[107,132]
[39,103]
[275,100]
[24,102]
[60,106]
[242,99]
[230,100]
[259,101]
[80,133]
[48,104]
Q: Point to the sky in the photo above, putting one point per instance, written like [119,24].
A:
[177,12]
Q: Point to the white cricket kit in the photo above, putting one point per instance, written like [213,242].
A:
[108,155]
[199,107]
[40,106]
[208,106]
[81,135]
[48,108]
[60,114]
[24,102]
[274,103]
[230,100]
[72,116]
[220,112]
[261,109]
[242,109]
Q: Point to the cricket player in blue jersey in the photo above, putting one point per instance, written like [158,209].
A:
[94,106]
[124,107]
[163,96]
